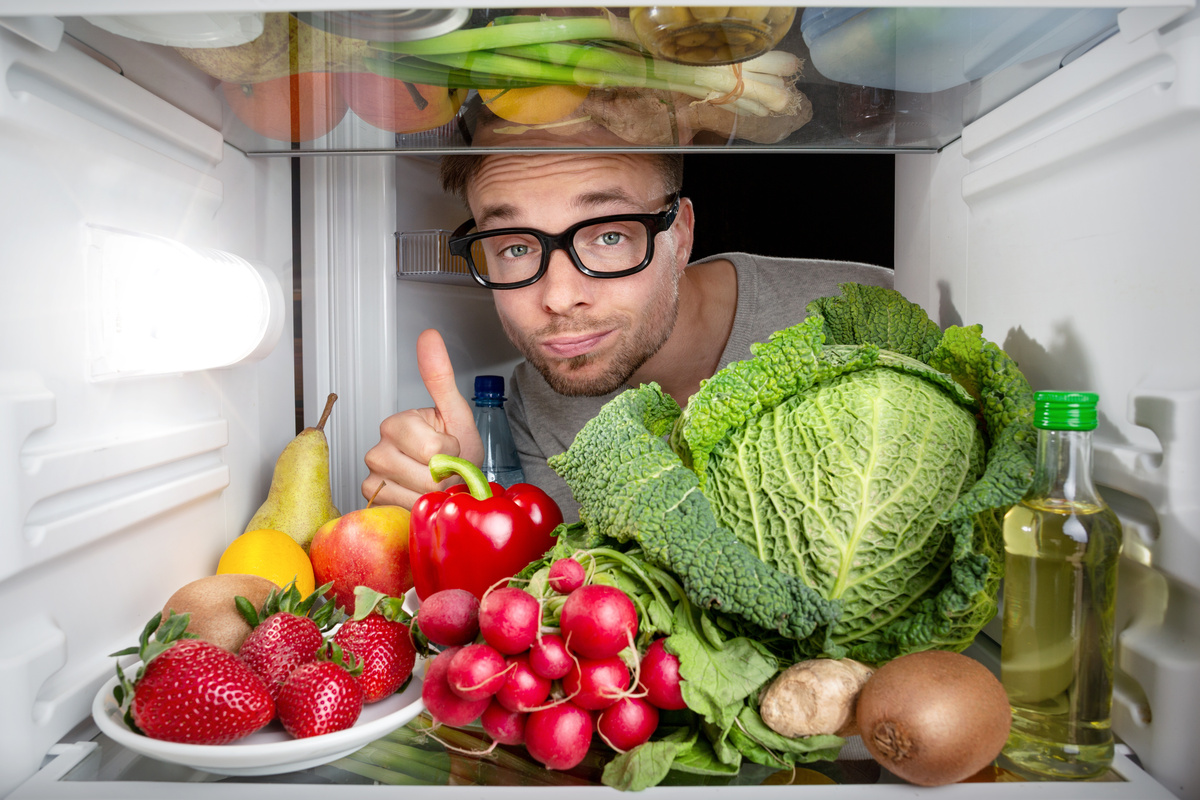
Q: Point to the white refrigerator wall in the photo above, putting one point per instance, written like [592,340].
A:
[360,322]
[1065,224]
[116,491]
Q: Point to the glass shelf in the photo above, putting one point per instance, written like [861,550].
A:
[865,79]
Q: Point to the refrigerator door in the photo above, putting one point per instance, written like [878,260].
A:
[1062,223]
[124,468]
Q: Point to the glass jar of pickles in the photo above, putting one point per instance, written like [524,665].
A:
[710,34]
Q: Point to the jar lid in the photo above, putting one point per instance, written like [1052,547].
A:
[403,25]
[1065,411]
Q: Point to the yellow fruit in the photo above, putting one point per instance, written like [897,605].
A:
[536,105]
[269,554]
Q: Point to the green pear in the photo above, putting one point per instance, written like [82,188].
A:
[300,499]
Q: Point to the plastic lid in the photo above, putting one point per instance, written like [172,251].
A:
[403,25]
[489,386]
[1065,411]
[817,22]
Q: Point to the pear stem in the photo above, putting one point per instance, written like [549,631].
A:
[328,409]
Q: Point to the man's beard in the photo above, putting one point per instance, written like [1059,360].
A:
[634,351]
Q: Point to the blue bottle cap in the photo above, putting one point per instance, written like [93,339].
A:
[489,386]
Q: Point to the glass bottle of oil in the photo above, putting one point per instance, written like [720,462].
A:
[1062,544]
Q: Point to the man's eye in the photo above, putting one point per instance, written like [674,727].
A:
[611,238]
[515,251]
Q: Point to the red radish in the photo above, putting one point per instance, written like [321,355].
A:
[598,621]
[509,619]
[566,575]
[627,723]
[659,676]
[597,683]
[549,657]
[559,736]
[450,617]
[523,689]
[446,707]
[476,671]
[504,726]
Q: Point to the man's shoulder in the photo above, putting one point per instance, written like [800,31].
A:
[802,272]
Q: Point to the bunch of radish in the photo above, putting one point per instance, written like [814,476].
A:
[549,688]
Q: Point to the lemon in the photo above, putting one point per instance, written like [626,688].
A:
[535,105]
[269,554]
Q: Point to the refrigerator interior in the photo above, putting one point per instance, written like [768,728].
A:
[1055,210]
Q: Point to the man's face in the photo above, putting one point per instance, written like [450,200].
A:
[585,335]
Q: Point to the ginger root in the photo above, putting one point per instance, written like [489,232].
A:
[815,697]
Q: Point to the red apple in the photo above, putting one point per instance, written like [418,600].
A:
[368,547]
[294,108]
[399,106]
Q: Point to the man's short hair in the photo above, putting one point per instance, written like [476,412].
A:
[459,169]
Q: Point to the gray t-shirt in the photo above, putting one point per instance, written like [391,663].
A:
[772,294]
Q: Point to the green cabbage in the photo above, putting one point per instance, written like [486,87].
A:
[863,457]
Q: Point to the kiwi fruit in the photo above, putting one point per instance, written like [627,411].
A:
[933,717]
[210,601]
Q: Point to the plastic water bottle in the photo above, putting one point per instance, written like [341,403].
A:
[500,460]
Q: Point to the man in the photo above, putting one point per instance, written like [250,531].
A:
[588,335]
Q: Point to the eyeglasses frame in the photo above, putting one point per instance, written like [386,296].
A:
[460,244]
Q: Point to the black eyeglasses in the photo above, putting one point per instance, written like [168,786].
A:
[604,247]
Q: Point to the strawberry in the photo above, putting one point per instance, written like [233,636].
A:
[189,690]
[320,697]
[284,634]
[378,638]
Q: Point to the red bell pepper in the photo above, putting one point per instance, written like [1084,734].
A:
[476,533]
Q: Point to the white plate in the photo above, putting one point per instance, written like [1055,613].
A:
[271,750]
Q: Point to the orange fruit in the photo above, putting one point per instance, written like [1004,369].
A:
[272,555]
[535,105]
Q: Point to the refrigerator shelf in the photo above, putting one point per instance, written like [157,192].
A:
[97,767]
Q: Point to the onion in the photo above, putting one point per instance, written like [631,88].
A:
[933,717]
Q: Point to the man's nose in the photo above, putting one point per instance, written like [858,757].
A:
[564,288]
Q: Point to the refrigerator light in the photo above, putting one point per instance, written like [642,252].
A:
[157,306]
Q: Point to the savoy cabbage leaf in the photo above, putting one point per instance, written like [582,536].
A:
[862,457]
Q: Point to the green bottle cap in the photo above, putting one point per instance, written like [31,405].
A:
[1065,411]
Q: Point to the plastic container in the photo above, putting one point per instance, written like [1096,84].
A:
[218,29]
[709,34]
[932,49]
[500,460]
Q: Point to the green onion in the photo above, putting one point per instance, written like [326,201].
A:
[544,29]
[416,70]
[625,68]
[523,51]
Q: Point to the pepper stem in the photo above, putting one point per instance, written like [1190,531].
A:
[443,466]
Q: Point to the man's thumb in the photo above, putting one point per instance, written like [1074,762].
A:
[433,362]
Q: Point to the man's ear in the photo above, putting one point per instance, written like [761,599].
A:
[684,232]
